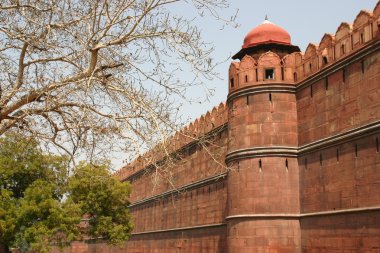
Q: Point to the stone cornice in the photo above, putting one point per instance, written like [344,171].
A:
[197,184]
[340,64]
[262,88]
[282,151]
[304,215]
[181,228]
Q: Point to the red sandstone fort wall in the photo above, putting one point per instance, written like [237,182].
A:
[346,105]
[344,175]
[308,179]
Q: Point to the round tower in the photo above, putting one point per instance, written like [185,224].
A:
[263,188]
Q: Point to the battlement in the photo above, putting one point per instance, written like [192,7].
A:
[199,128]
[271,67]
[268,68]
[347,39]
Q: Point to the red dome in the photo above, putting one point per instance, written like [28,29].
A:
[266,33]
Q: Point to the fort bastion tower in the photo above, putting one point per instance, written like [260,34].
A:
[263,183]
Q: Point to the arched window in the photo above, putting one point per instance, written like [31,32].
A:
[325,61]
[269,74]
[295,76]
[342,49]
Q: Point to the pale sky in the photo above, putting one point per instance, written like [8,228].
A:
[306,21]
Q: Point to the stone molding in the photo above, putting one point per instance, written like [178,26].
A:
[181,228]
[303,215]
[262,88]
[278,151]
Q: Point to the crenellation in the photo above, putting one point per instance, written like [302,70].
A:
[288,62]
[310,60]
[348,38]
[247,70]
[326,51]
[233,78]
[362,20]
[196,129]
[376,11]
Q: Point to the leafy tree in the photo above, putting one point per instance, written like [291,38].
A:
[104,200]
[42,204]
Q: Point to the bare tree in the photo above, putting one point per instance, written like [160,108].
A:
[84,74]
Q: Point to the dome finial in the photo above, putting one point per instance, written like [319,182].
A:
[266,21]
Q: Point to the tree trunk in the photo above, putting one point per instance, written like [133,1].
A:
[4,248]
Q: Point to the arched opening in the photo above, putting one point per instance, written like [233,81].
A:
[344,75]
[325,60]
[342,49]
[337,155]
[232,82]
[295,76]
[282,73]
[260,166]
